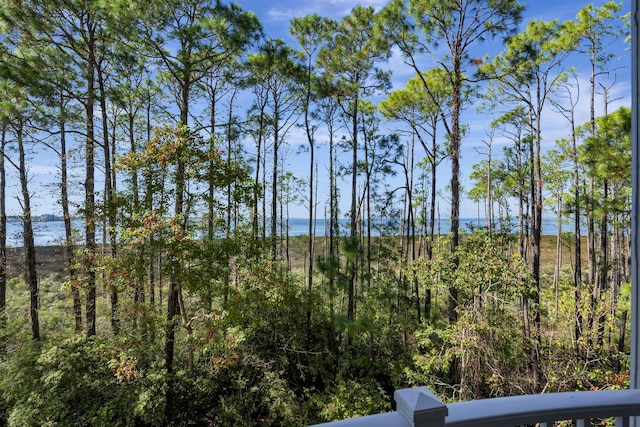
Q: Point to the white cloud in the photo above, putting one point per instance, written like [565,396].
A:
[333,9]
[284,15]
[353,3]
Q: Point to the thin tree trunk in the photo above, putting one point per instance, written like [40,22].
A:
[229,218]
[558,263]
[135,188]
[367,215]
[591,235]
[174,286]
[311,241]
[68,232]
[353,226]
[333,226]
[577,268]
[148,205]
[30,273]
[3,234]
[603,264]
[434,194]
[139,292]
[89,201]
[264,192]
[537,234]
[109,184]
[615,261]
[173,292]
[274,189]
[623,330]
[489,193]
[454,153]
[186,323]
[591,254]
[208,297]
[259,160]
[411,225]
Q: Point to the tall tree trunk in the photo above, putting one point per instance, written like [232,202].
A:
[615,262]
[412,250]
[591,254]
[412,225]
[590,214]
[274,187]
[211,172]
[264,192]
[434,194]
[454,154]
[230,219]
[256,193]
[213,91]
[30,273]
[311,240]
[3,233]
[139,291]
[489,192]
[109,184]
[69,245]
[558,263]
[173,304]
[432,214]
[367,215]
[577,268]
[334,226]
[89,201]
[603,263]
[147,176]
[537,234]
[173,292]
[135,187]
[623,330]
[353,225]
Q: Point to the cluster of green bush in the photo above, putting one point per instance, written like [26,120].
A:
[279,355]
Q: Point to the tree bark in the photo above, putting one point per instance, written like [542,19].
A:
[3,233]
[109,190]
[30,273]
[454,154]
[89,200]
[69,245]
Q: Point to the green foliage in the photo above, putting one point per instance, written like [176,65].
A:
[607,155]
[485,346]
[76,381]
[610,372]
[255,343]
[353,398]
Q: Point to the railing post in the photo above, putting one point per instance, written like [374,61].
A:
[420,407]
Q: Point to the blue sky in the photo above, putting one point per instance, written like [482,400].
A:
[276,14]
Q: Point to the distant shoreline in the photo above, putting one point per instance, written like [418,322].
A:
[49,231]
[50,258]
[40,218]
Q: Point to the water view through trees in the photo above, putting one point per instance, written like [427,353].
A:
[184,291]
[52,232]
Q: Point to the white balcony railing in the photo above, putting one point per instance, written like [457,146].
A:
[419,407]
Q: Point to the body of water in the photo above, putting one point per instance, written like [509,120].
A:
[51,233]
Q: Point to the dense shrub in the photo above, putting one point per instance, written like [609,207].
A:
[75,381]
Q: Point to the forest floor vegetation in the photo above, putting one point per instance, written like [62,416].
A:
[259,355]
